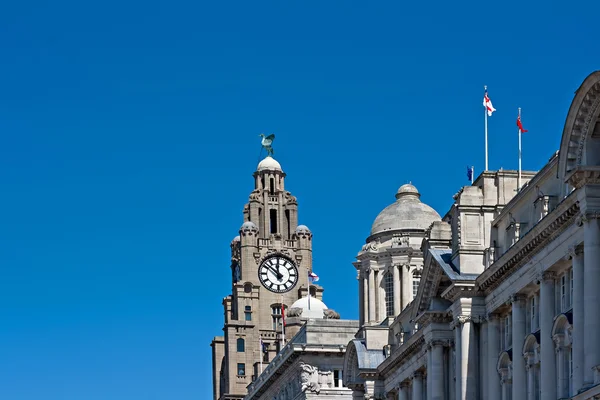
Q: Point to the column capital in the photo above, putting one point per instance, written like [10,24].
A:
[548,276]
[587,215]
[492,316]
[574,250]
[461,320]
[404,384]
[417,374]
[518,298]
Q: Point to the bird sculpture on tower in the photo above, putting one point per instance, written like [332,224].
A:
[267,142]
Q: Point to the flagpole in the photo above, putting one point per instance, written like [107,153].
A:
[519,177]
[486,133]
[282,321]
[472,174]
[309,290]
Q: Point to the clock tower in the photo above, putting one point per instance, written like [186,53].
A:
[270,262]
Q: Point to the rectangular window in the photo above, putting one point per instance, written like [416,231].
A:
[533,315]
[571,288]
[502,334]
[570,354]
[273,217]
[241,369]
[563,293]
[337,378]
[415,285]
[248,313]
[276,316]
[389,293]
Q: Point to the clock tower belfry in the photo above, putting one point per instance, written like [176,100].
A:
[270,262]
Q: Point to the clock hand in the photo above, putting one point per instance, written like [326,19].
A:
[276,272]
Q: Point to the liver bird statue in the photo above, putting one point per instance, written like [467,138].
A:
[267,142]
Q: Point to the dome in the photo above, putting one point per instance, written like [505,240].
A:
[302,229]
[316,307]
[236,239]
[249,226]
[269,163]
[407,212]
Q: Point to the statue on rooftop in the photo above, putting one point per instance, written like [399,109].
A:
[267,142]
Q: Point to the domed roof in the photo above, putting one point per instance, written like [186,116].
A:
[249,226]
[302,229]
[269,163]
[407,212]
[316,307]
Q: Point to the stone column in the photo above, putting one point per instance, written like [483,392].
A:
[406,282]
[397,294]
[578,324]
[469,360]
[457,360]
[365,289]
[381,311]
[417,386]
[435,371]
[361,298]
[372,302]
[427,380]
[519,382]
[548,359]
[403,393]
[493,379]
[591,294]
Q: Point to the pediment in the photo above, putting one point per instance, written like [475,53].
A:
[439,274]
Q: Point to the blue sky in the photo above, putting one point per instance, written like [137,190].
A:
[129,136]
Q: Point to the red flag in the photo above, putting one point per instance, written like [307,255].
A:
[520,125]
[283,314]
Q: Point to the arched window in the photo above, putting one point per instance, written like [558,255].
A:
[241,345]
[416,279]
[388,282]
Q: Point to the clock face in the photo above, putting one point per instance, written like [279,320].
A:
[278,274]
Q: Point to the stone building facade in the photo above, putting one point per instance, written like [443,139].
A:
[507,304]
[310,366]
[270,262]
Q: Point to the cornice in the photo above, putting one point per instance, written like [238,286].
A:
[545,231]
[403,353]
[584,175]
[429,317]
[462,290]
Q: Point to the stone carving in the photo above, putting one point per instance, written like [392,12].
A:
[255,195]
[326,379]
[372,246]
[590,110]
[289,198]
[309,378]
[236,250]
[404,240]
[294,312]
[330,314]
